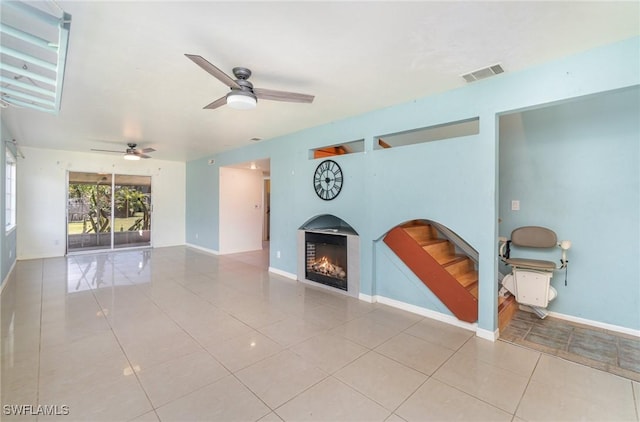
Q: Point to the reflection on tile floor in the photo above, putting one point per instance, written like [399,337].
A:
[174,334]
[598,348]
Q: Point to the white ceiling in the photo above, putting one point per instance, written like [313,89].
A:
[127,78]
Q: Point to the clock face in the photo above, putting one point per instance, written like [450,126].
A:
[327,180]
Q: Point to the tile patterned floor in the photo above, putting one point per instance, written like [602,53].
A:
[608,351]
[173,334]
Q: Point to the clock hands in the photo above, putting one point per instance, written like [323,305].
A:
[327,181]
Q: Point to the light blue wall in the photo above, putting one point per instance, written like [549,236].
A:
[453,182]
[575,169]
[8,245]
[406,286]
[202,216]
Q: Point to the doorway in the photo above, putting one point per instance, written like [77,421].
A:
[108,211]
[266,229]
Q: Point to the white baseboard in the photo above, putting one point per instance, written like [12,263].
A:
[366,298]
[481,332]
[200,248]
[597,324]
[428,313]
[283,273]
[488,335]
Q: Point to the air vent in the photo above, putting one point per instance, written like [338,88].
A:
[483,73]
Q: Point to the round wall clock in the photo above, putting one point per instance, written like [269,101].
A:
[327,180]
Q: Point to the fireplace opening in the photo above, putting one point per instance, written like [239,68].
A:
[326,259]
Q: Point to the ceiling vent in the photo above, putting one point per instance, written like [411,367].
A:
[483,73]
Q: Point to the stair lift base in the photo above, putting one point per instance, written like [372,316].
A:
[532,290]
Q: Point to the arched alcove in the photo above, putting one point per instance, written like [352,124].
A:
[328,222]
[423,263]
[329,254]
[444,231]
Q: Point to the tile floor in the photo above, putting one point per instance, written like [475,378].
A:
[175,334]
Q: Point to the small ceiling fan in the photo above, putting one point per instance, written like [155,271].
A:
[243,95]
[131,153]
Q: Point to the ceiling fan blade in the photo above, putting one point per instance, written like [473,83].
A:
[106,150]
[217,103]
[144,151]
[208,67]
[292,97]
[143,155]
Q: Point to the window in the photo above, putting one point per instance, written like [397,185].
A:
[10,192]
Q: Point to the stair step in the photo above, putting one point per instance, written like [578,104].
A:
[460,264]
[506,309]
[468,278]
[473,289]
[412,223]
[441,250]
[502,301]
[421,233]
[445,260]
[428,242]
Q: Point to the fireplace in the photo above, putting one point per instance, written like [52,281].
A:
[326,259]
[329,255]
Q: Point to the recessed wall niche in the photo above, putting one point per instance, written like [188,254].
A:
[456,129]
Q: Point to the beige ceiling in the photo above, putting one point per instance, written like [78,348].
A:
[127,78]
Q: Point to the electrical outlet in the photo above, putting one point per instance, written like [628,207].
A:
[515,205]
[278,254]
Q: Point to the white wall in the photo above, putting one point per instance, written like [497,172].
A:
[42,195]
[7,239]
[240,210]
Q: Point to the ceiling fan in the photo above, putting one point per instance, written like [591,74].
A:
[131,153]
[243,95]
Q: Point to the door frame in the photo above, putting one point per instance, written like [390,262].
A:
[112,245]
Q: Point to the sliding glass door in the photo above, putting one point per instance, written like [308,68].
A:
[132,211]
[89,211]
[106,211]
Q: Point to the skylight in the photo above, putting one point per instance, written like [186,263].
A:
[33,54]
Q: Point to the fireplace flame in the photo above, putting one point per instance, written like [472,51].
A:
[325,267]
[324,263]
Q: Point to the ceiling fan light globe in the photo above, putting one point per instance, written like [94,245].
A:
[241,101]
[131,157]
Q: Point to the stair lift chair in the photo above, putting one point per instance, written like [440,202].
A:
[530,279]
